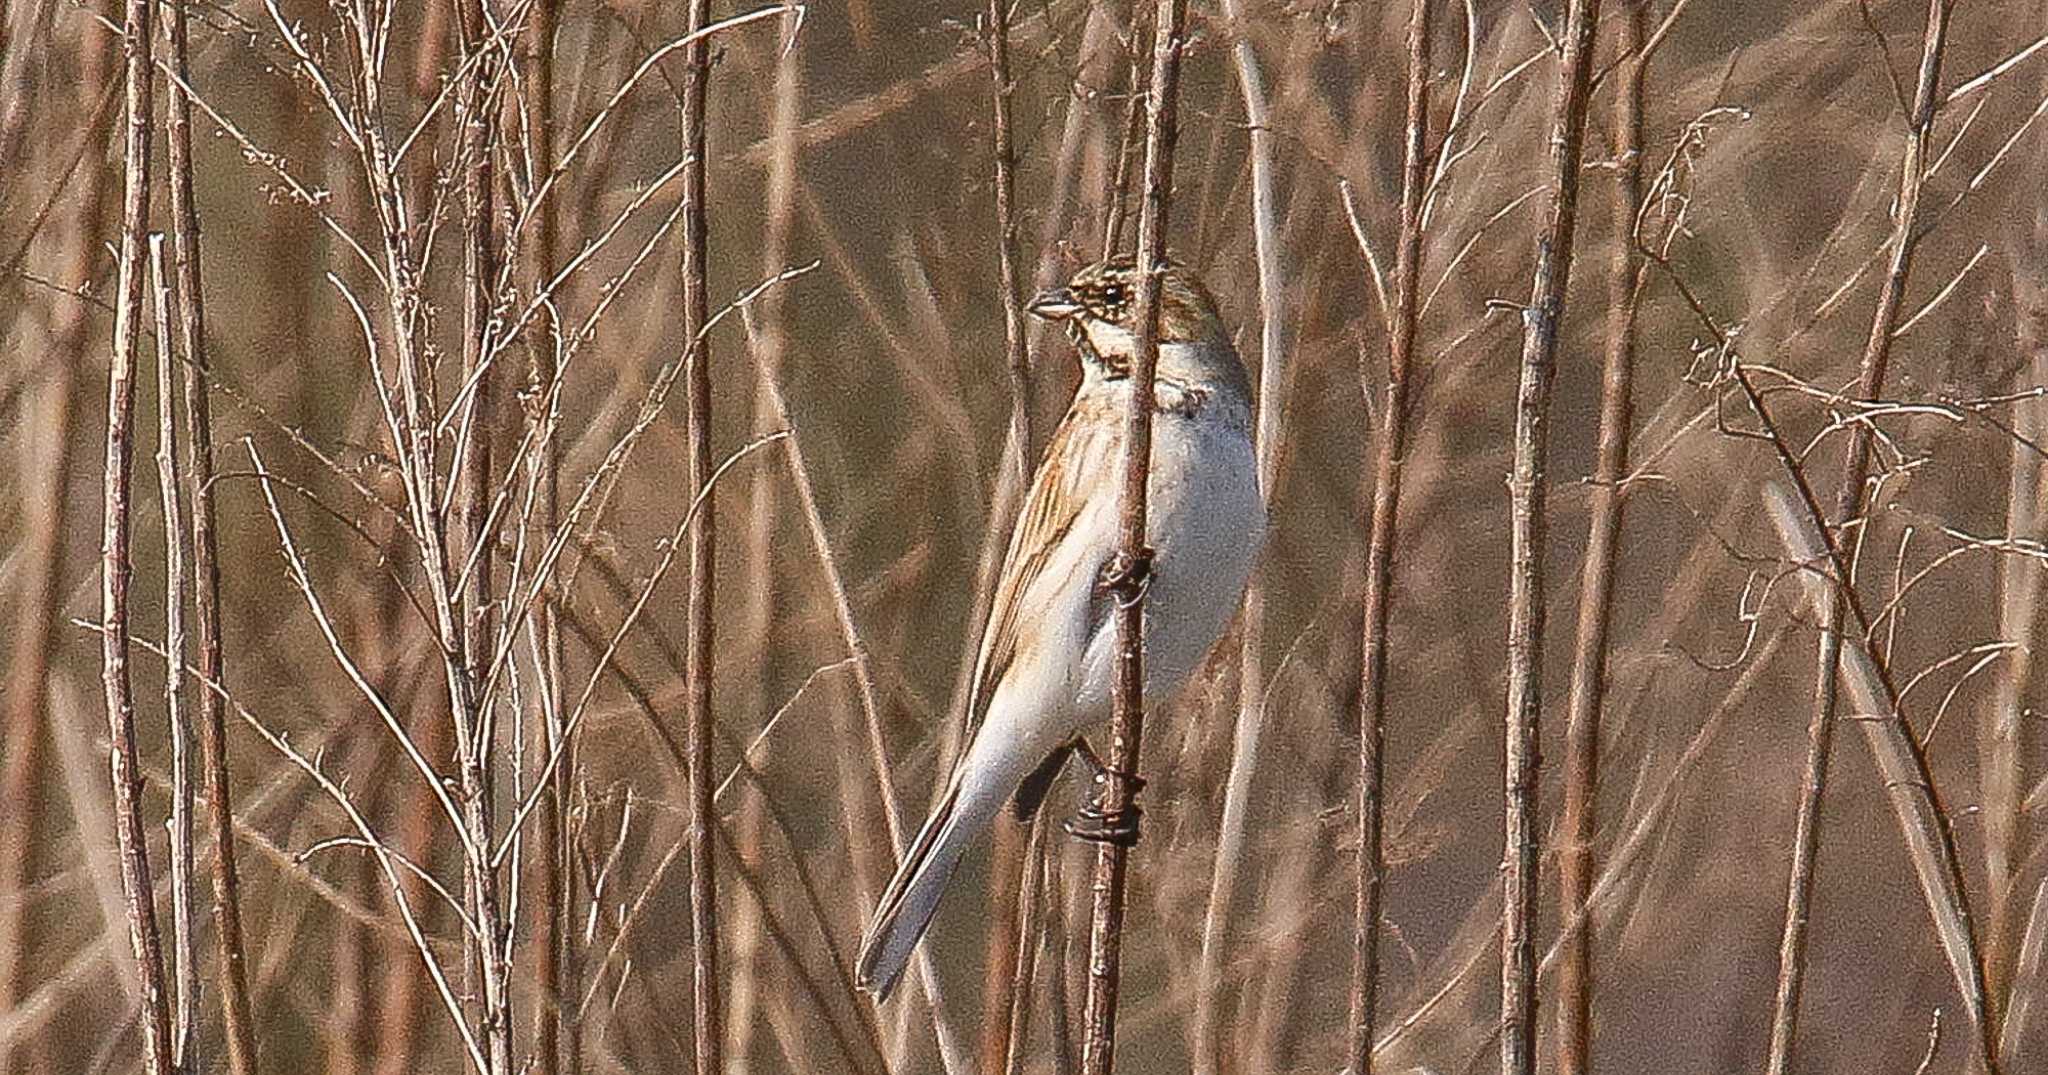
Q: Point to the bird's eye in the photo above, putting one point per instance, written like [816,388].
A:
[1113,295]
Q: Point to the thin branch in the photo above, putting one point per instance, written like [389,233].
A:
[1120,781]
[1007,978]
[557,1044]
[1849,507]
[1391,452]
[237,1019]
[707,1010]
[115,565]
[1577,865]
[1526,584]
[185,970]
[1250,722]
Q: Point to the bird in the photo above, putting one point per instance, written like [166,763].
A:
[1043,671]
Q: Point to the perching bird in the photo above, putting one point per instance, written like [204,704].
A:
[1043,674]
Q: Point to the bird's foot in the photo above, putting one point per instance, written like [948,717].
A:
[1094,822]
[1127,577]
[1095,825]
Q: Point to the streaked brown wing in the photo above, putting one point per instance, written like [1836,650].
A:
[1050,509]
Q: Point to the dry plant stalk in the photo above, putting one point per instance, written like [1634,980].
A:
[557,1046]
[476,145]
[184,965]
[2007,740]
[1527,516]
[1370,870]
[1576,864]
[708,1033]
[1120,781]
[137,880]
[1249,725]
[237,1019]
[1849,507]
[1007,978]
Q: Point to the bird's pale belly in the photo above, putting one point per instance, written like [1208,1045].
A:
[1205,519]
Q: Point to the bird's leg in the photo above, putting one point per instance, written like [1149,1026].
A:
[1126,577]
[1092,822]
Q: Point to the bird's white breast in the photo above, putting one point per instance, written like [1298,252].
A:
[1205,520]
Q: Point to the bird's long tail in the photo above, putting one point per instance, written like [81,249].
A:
[977,791]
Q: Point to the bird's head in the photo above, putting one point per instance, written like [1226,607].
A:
[1099,307]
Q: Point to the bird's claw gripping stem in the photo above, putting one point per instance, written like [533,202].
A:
[1127,577]
[1093,822]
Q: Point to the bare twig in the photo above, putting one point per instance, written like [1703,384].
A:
[472,464]
[1900,761]
[1849,507]
[1120,782]
[115,566]
[557,1045]
[185,970]
[1029,933]
[748,970]
[1526,585]
[706,1021]
[1576,865]
[2006,740]
[238,1022]
[1268,249]
[1006,977]
[1391,452]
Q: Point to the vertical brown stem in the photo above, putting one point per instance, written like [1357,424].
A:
[115,568]
[1120,784]
[1526,583]
[419,468]
[479,268]
[1029,933]
[1576,867]
[1849,506]
[702,547]
[185,971]
[471,565]
[557,1047]
[238,1022]
[1379,555]
[1894,745]
[1003,984]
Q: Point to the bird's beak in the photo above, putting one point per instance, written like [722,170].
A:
[1055,304]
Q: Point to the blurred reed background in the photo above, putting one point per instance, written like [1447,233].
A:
[860,403]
